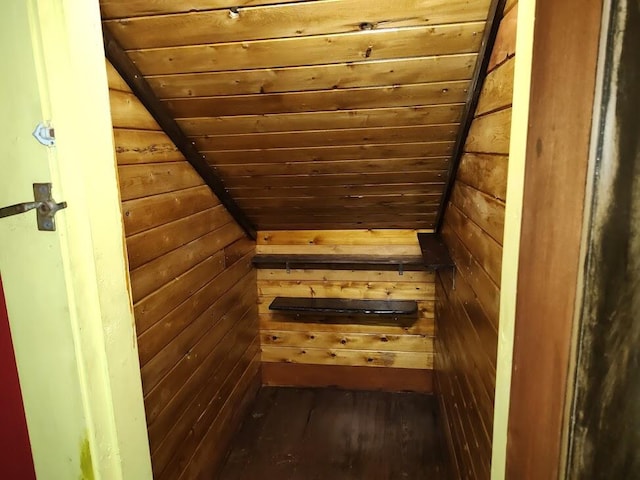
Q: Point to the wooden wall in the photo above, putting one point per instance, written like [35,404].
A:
[467,305]
[353,355]
[194,297]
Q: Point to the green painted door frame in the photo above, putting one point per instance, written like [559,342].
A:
[67,291]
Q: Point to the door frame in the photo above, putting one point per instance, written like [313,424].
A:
[89,360]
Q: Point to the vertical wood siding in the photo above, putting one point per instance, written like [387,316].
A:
[194,296]
[374,348]
[467,306]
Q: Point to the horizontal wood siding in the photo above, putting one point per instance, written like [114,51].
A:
[366,347]
[194,296]
[467,306]
[313,103]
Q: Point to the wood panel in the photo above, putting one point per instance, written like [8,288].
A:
[467,305]
[332,76]
[285,341]
[290,52]
[294,122]
[557,156]
[317,138]
[280,82]
[288,20]
[320,100]
[193,290]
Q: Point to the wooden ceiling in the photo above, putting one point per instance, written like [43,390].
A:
[317,114]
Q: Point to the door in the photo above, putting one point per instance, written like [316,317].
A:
[67,291]
[15,451]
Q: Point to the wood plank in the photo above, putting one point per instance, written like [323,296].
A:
[208,458]
[486,173]
[488,39]
[148,212]
[162,333]
[490,133]
[351,378]
[140,146]
[320,100]
[505,46]
[311,180]
[159,303]
[151,244]
[435,254]
[139,86]
[362,201]
[318,138]
[353,341]
[382,250]
[319,17]
[485,289]
[237,250]
[227,320]
[424,325]
[497,91]
[138,181]
[375,223]
[319,274]
[128,112]
[369,358]
[484,249]
[301,121]
[483,210]
[362,290]
[316,77]
[313,50]
[175,456]
[332,191]
[350,237]
[332,153]
[114,79]
[356,213]
[151,276]
[111,9]
[348,306]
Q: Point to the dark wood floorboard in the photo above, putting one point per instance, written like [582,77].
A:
[321,434]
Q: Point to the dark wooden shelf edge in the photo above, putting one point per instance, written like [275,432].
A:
[366,311]
[339,262]
[435,253]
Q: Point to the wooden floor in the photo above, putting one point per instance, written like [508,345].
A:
[306,434]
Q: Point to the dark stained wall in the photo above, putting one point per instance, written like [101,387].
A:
[467,304]
[606,433]
[194,294]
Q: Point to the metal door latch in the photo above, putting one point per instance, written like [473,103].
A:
[46,207]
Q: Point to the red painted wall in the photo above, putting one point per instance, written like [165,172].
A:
[16,462]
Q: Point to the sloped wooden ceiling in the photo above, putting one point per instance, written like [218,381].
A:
[317,114]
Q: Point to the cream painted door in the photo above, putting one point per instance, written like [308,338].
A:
[67,291]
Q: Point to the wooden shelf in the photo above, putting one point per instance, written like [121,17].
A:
[409,263]
[435,254]
[348,311]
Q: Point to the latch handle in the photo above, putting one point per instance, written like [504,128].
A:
[46,207]
[18,208]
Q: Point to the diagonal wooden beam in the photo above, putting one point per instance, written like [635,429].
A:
[141,88]
[482,64]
